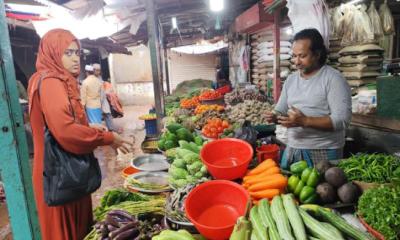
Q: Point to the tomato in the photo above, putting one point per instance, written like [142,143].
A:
[225,124]
[220,129]
[213,129]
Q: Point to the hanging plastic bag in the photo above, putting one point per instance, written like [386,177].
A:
[356,25]
[375,20]
[247,133]
[336,20]
[386,18]
[310,14]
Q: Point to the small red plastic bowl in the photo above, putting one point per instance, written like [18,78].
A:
[213,207]
[227,158]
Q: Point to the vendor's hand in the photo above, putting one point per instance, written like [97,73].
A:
[125,145]
[295,118]
[271,117]
[98,126]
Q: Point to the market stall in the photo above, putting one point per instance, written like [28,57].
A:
[209,180]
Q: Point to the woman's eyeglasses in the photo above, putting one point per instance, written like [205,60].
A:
[69,52]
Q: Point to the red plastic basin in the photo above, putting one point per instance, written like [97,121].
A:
[227,158]
[213,207]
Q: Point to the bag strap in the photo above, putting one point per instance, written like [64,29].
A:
[39,90]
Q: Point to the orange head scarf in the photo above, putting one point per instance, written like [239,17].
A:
[49,65]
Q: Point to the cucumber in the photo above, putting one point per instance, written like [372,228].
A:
[294,217]
[317,228]
[342,225]
[258,227]
[281,219]
[267,220]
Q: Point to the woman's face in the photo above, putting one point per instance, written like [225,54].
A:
[71,58]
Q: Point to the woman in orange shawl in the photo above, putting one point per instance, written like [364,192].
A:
[57,65]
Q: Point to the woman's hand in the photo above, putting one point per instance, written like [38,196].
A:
[98,126]
[125,145]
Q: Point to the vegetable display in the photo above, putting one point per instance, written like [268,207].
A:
[337,222]
[116,196]
[380,208]
[209,94]
[129,181]
[205,116]
[303,182]
[175,207]
[187,167]
[284,219]
[265,181]
[170,138]
[153,204]
[120,225]
[215,127]
[371,168]
[189,103]
[176,235]
[240,95]
[204,108]
[250,110]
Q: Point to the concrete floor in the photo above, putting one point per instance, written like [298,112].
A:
[113,163]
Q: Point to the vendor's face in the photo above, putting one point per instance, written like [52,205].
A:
[71,58]
[304,59]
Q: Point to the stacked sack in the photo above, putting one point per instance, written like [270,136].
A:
[361,64]
[333,56]
[262,59]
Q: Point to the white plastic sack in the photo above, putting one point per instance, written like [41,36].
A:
[268,58]
[310,14]
[268,51]
[356,25]
[270,44]
[375,20]
[386,18]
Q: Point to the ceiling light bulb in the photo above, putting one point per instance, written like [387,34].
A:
[289,31]
[174,23]
[216,5]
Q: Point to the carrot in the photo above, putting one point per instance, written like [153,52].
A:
[269,171]
[267,193]
[260,179]
[278,182]
[262,167]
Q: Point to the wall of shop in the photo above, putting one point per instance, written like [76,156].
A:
[132,79]
[131,76]
[184,67]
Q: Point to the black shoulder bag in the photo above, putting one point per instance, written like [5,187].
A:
[66,176]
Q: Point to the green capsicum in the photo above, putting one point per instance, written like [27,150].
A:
[306,192]
[298,188]
[298,167]
[306,174]
[292,183]
[313,179]
[311,199]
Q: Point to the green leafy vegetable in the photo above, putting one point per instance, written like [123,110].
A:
[377,167]
[380,208]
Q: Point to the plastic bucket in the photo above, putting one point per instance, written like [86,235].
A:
[227,158]
[214,206]
[268,151]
